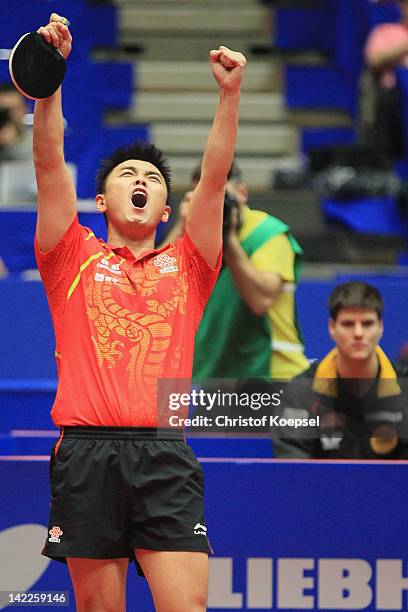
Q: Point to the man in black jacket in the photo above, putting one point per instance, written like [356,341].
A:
[355,394]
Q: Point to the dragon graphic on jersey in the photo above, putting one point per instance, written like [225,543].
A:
[145,337]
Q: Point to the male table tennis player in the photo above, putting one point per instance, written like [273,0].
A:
[125,315]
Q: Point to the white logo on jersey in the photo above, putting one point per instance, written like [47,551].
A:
[106,265]
[165,263]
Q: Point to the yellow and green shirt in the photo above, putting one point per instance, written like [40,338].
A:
[231,341]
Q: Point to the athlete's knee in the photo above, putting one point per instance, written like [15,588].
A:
[198,603]
[99,585]
[194,602]
[93,602]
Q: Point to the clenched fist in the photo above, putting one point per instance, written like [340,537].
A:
[228,68]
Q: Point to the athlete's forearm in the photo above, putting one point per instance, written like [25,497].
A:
[257,289]
[48,131]
[221,143]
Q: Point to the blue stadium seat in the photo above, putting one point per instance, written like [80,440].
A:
[316,87]
[376,215]
[314,138]
[303,29]
[90,89]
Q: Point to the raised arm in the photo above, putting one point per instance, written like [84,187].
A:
[204,215]
[56,190]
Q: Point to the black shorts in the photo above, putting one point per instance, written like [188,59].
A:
[114,489]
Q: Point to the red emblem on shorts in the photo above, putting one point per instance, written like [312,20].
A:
[55,534]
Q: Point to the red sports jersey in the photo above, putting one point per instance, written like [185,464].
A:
[121,324]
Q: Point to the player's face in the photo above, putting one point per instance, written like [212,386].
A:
[356,332]
[135,196]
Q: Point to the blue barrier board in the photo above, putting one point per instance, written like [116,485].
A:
[286,535]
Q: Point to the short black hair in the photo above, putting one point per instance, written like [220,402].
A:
[234,173]
[355,294]
[136,150]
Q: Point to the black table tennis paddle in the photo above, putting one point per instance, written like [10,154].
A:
[36,67]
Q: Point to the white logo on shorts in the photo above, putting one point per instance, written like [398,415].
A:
[55,534]
[200,529]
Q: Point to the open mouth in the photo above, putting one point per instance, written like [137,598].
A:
[139,198]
